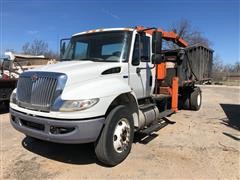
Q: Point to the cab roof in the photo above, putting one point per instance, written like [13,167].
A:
[104,30]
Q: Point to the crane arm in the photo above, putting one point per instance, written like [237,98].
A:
[167,35]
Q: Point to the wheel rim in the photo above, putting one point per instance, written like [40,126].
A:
[198,99]
[121,135]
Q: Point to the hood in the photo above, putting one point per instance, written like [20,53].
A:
[78,71]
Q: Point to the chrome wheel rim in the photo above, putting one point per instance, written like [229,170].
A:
[121,135]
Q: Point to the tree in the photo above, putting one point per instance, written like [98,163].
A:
[218,69]
[236,67]
[37,47]
[52,55]
[218,66]
[185,30]
[10,50]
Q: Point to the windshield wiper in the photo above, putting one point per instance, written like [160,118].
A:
[89,59]
[66,59]
[94,59]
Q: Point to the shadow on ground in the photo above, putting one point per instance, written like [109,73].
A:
[143,138]
[67,153]
[71,153]
[232,112]
[76,153]
[233,136]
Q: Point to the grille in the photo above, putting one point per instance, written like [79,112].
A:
[37,91]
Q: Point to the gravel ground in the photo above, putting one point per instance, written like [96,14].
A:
[202,144]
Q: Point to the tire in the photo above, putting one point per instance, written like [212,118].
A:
[196,99]
[186,102]
[119,126]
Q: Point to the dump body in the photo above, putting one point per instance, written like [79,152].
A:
[192,63]
[201,59]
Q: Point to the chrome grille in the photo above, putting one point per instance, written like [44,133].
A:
[38,93]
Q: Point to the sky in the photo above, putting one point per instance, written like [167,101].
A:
[23,21]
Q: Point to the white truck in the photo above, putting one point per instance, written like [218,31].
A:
[109,84]
[11,66]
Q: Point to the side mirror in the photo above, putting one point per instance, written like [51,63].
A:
[135,62]
[63,46]
[157,58]
[157,42]
[62,50]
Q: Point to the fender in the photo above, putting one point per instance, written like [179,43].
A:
[130,100]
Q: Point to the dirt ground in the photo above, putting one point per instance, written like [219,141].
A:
[203,144]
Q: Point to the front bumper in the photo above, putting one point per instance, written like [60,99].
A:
[57,130]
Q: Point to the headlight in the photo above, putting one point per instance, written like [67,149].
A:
[13,97]
[78,105]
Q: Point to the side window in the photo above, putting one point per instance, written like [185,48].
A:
[145,48]
[141,50]
[80,50]
[136,51]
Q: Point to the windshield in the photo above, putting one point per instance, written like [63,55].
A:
[102,46]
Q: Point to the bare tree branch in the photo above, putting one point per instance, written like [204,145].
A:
[37,47]
[185,30]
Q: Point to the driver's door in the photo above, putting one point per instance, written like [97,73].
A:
[141,76]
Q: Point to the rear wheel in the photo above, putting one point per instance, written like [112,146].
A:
[196,99]
[115,141]
[186,102]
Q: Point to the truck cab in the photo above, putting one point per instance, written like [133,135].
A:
[109,84]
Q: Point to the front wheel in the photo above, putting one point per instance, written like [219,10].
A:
[115,141]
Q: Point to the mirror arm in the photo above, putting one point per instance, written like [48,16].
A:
[140,68]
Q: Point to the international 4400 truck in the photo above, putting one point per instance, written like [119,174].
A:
[109,84]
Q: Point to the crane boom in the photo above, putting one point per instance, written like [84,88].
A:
[167,35]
